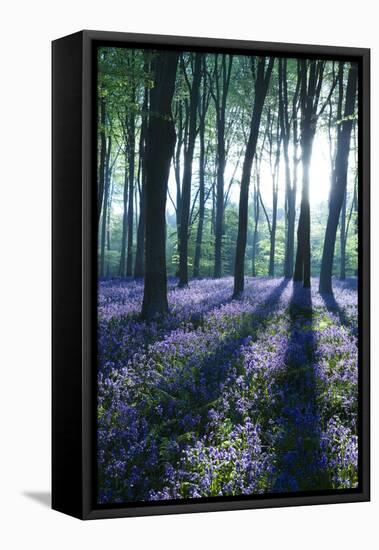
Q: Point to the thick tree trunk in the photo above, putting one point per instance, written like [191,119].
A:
[187,173]
[338,189]
[159,150]
[303,254]
[311,75]
[261,86]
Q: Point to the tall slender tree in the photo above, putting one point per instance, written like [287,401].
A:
[219,89]
[256,211]
[107,185]
[338,188]
[311,78]
[285,115]
[131,131]
[140,246]
[203,108]
[187,170]
[103,152]
[160,145]
[263,75]
[274,144]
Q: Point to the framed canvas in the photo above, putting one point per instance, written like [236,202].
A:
[210,275]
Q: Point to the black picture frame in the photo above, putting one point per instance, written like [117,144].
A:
[75,280]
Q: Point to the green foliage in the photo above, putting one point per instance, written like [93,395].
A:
[123,75]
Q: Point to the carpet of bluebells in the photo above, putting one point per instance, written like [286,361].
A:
[227,397]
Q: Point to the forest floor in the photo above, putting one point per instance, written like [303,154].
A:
[227,397]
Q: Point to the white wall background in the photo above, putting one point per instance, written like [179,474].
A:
[27,29]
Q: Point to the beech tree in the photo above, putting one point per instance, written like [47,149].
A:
[311,78]
[160,145]
[203,108]
[260,90]
[338,188]
[187,173]
[219,89]
[228,191]
[286,111]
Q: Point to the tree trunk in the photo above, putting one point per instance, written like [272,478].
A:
[303,254]
[103,237]
[131,158]
[275,190]
[200,226]
[187,173]
[220,103]
[159,151]
[121,270]
[181,125]
[140,247]
[271,269]
[109,226]
[338,189]
[343,239]
[103,152]
[256,221]
[261,86]
[290,187]
[311,80]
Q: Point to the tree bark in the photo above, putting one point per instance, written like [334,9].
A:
[343,239]
[131,159]
[108,230]
[261,85]
[275,190]
[140,247]
[200,226]
[187,172]
[256,221]
[122,266]
[159,151]
[103,237]
[338,189]
[290,186]
[103,152]
[181,138]
[220,103]
[311,75]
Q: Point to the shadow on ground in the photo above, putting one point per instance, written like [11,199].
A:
[41,497]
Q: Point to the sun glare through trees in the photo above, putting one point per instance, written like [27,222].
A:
[227,193]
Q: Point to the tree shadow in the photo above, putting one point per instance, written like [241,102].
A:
[334,308]
[214,369]
[41,497]
[300,465]
[185,394]
[147,333]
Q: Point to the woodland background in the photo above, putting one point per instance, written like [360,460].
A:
[30,367]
